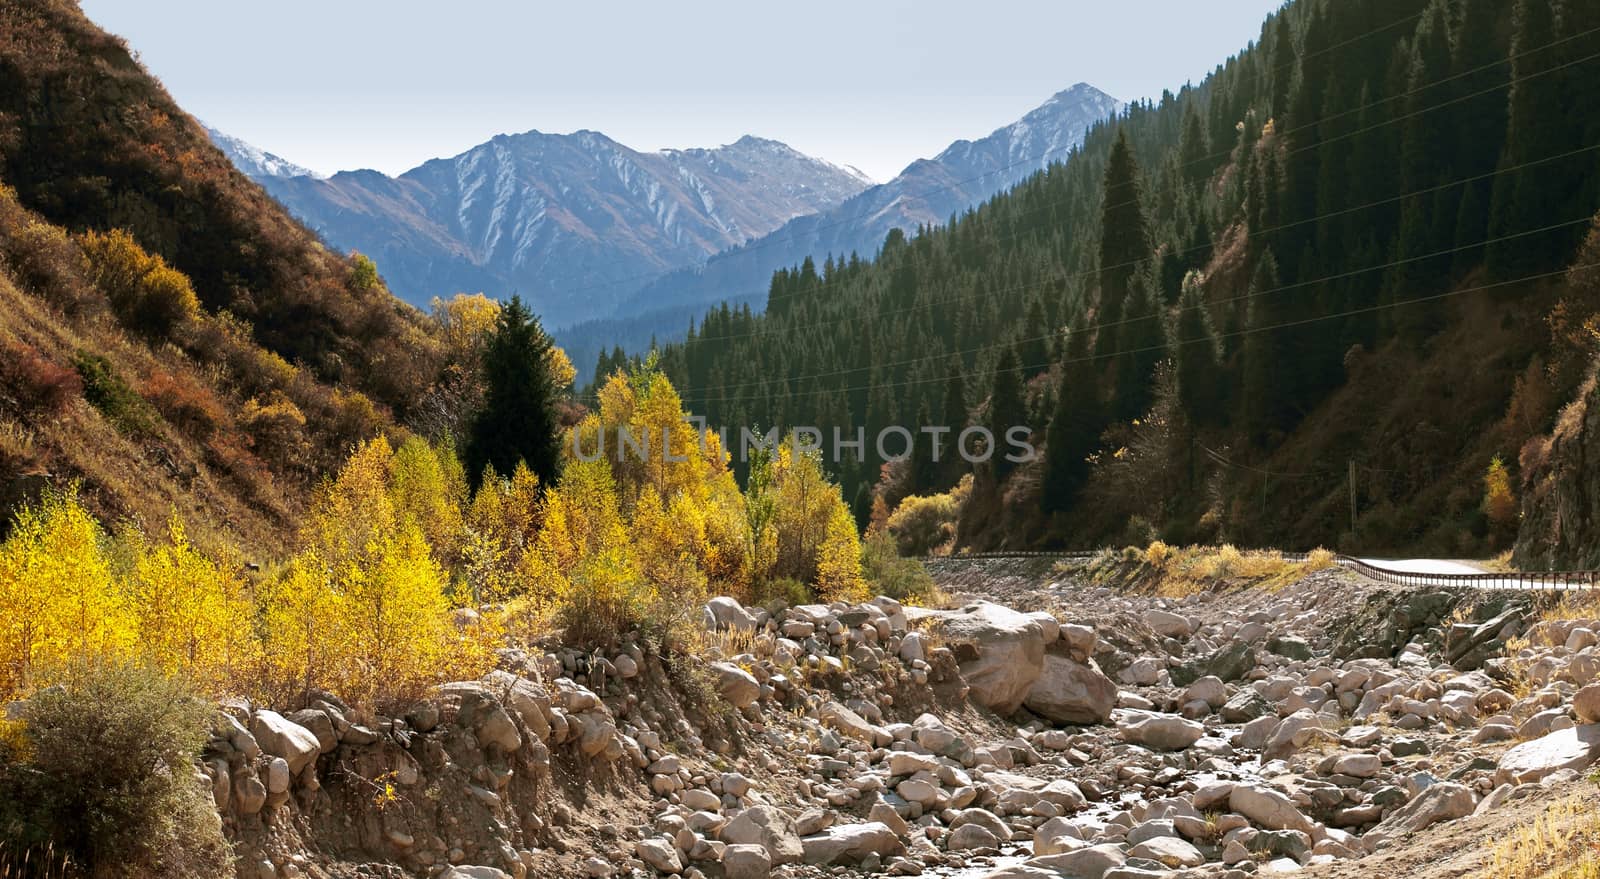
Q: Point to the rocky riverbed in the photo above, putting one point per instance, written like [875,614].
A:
[1041,726]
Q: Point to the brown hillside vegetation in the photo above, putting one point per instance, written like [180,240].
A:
[90,141]
[172,339]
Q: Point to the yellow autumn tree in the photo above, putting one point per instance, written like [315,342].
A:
[395,616]
[59,601]
[146,293]
[582,563]
[301,621]
[428,488]
[839,560]
[1499,503]
[189,615]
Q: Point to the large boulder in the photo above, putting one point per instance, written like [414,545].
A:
[1000,651]
[768,827]
[1160,732]
[1572,748]
[851,844]
[1267,808]
[284,738]
[1068,691]
[723,612]
[837,716]
[1445,801]
[738,686]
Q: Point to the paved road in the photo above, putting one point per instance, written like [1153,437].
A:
[1424,566]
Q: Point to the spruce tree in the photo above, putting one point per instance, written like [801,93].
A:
[1139,349]
[1124,235]
[1074,430]
[518,422]
[954,414]
[1267,391]
[1007,409]
[1196,353]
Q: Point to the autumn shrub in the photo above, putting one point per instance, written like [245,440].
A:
[888,573]
[108,777]
[278,429]
[46,263]
[148,295]
[185,403]
[35,385]
[923,525]
[110,393]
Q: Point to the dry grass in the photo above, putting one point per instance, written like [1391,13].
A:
[1174,572]
[35,863]
[1563,842]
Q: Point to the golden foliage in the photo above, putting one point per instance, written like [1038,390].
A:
[1499,503]
[146,293]
[924,525]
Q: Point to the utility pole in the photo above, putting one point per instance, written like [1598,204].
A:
[1352,498]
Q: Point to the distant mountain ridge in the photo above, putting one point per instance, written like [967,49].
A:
[254,161]
[571,221]
[927,192]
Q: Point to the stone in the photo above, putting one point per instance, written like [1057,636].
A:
[1170,851]
[660,854]
[746,862]
[1444,801]
[838,717]
[249,794]
[1168,624]
[700,800]
[470,871]
[971,836]
[1209,689]
[498,729]
[728,613]
[1068,691]
[1573,748]
[1267,808]
[769,827]
[284,738]
[850,844]
[320,725]
[738,686]
[1586,704]
[1161,732]
[1000,652]
[1057,835]
[1092,862]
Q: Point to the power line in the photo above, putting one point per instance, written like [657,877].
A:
[1244,76]
[1069,276]
[701,395]
[1286,133]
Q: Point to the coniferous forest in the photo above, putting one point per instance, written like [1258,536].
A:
[1329,275]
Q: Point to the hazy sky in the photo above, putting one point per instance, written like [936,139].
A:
[342,84]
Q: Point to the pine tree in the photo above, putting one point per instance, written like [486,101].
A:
[1139,349]
[954,414]
[1267,392]
[1124,235]
[1074,430]
[1196,352]
[1522,197]
[519,421]
[1007,409]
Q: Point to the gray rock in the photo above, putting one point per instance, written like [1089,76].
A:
[1068,691]
[1573,748]
[1161,732]
[1000,651]
[738,686]
[284,738]
[768,827]
[851,844]
[746,862]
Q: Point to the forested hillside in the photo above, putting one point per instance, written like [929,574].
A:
[1319,279]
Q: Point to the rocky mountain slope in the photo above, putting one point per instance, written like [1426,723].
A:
[571,221]
[927,193]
